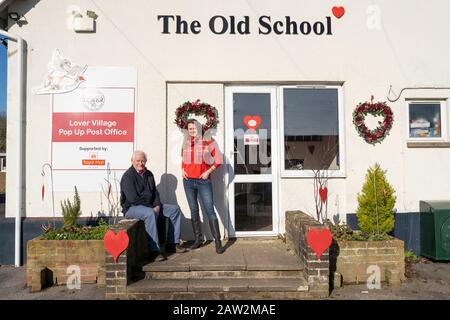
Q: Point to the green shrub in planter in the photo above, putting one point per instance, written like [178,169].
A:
[78,232]
[376,203]
[71,212]
[70,230]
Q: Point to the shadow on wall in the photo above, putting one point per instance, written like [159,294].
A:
[167,188]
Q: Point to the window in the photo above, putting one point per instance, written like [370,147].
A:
[312,127]
[426,121]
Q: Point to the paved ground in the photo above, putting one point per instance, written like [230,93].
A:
[425,280]
[13,287]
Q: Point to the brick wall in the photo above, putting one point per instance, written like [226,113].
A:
[352,258]
[316,271]
[128,266]
[48,260]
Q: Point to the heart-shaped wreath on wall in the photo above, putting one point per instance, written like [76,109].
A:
[184,112]
[375,109]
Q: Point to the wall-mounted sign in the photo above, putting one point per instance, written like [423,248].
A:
[93,128]
[251,139]
[176,24]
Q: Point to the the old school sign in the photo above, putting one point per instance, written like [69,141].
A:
[93,128]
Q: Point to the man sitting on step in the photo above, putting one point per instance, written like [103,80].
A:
[139,199]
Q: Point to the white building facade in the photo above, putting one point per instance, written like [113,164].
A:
[300,66]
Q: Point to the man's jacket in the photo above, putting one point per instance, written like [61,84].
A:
[138,190]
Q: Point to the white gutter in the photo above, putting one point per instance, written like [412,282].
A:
[20,150]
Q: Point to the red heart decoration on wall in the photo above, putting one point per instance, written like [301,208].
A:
[319,240]
[323,192]
[115,244]
[252,122]
[338,12]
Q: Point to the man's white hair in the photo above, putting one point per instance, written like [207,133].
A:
[138,153]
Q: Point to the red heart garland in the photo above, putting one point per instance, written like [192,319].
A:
[323,192]
[115,244]
[319,240]
[338,12]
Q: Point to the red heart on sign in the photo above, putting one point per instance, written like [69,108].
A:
[323,194]
[338,12]
[319,240]
[115,244]
[252,122]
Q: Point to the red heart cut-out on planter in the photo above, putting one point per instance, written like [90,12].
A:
[323,192]
[252,122]
[319,240]
[338,12]
[115,244]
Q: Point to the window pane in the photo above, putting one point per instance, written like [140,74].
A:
[311,129]
[252,159]
[253,206]
[425,120]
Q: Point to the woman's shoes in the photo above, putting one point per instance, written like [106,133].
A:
[197,244]
[214,225]
[197,233]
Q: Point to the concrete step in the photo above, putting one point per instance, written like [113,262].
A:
[277,285]
[222,296]
[238,258]
[229,274]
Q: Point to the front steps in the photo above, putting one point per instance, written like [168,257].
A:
[249,269]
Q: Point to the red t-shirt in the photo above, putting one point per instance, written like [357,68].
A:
[199,157]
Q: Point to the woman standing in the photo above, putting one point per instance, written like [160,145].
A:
[200,158]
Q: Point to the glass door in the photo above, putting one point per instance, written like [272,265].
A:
[251,147]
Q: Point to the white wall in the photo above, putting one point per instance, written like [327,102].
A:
[411,49]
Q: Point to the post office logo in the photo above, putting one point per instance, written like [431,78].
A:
[93,99]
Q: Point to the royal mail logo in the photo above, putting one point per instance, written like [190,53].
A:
[93,99]
[93,162]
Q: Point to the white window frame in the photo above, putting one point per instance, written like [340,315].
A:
[263,178]
[341,173]
[444,135]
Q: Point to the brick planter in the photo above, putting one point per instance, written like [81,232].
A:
[352,258]
[316,271]
[48,261]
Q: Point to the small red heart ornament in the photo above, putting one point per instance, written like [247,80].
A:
[115,244]
[323,192]
[338,12]
[252,122]
[319,240]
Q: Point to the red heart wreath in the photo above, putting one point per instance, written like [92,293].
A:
[199,109]
[376,109]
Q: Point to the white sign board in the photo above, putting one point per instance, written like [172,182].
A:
[93,128]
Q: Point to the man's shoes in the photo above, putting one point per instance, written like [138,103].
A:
[156,256]
[175,248]
[180,249]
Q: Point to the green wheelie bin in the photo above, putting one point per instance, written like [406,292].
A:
[435,229]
